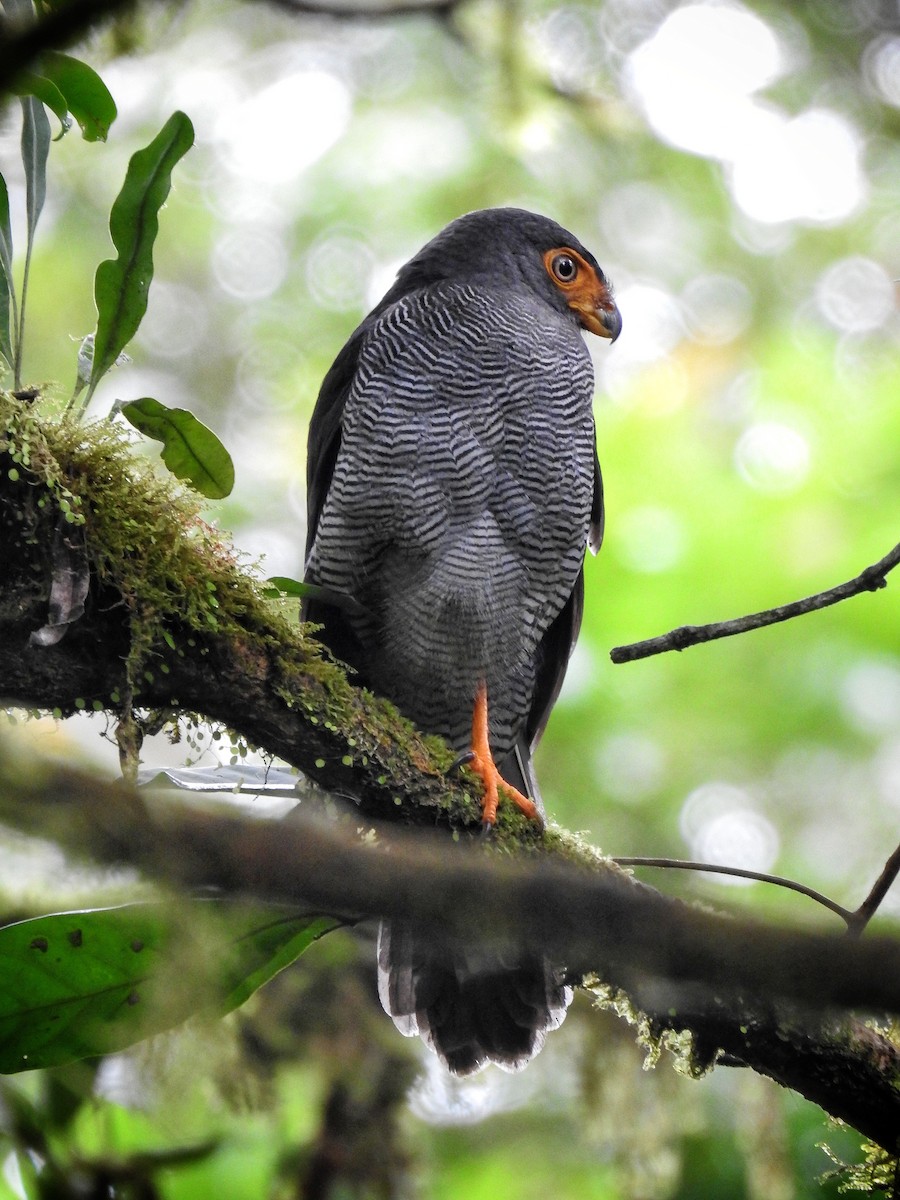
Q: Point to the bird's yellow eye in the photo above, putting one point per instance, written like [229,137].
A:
[564,268]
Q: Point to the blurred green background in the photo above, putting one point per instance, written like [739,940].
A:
[736,170]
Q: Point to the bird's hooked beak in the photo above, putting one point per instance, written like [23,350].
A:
[596,309]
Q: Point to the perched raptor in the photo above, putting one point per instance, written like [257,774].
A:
[453,486]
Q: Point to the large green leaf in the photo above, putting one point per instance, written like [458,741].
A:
[7,285]
[87,97]
[74,985]
[190,450]
[66,86]
[122,284]
[48,93]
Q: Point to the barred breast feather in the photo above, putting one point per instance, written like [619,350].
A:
[458,510]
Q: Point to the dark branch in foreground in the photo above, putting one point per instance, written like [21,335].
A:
[21,43]
[363,11]
[870,580]
[775,1000]
[772,998]
[59,27]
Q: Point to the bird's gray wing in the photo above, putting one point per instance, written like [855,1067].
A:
[322,451]
[325,430]
[553,655]
[598,515]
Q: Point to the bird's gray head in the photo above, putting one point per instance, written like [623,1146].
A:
[509,247]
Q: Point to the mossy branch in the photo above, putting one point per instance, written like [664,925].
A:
[174,621]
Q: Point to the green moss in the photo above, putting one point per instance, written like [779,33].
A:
[650,1034]
[875,1175]
[145,534]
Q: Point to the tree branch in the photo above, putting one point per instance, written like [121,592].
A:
[63,25]
[21,44]
[870,580]
[172,618]
[690,969]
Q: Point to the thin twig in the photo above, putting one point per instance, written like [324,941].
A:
[863,915]
[363,11]
[869,580]
[759,876]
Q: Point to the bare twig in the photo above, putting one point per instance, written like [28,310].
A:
[869,580]
[863,915]
[758,876]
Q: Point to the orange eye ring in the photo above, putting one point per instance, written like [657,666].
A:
[585,289]
[564,268]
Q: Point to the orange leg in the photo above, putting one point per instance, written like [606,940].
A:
[484,766]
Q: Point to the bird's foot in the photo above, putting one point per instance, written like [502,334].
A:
[482,763]
[494,784]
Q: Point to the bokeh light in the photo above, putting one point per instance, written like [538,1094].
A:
[722,825]
[629,765]
[696,75]
[870,696]
[717,308]
[271,136]
[881,64]
[856,295]
[651,539]
[697,79]
[772,457]
[249,263]
[802,168]
[338,272]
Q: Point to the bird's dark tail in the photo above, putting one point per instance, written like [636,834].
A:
[470,1005]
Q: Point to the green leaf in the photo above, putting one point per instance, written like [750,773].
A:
[74,985]
[48,93]
[283,585]
[66,86]
[35,148]
[121,284]
[190,450]
[87,97]
[7,285]
[265,949]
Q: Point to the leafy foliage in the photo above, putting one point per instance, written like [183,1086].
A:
[80,984]
[121,285]
[66,86]
[190,450]
[7,284]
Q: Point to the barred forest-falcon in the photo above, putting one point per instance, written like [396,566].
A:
[453,487]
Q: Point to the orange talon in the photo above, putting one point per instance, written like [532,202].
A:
[484,766]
